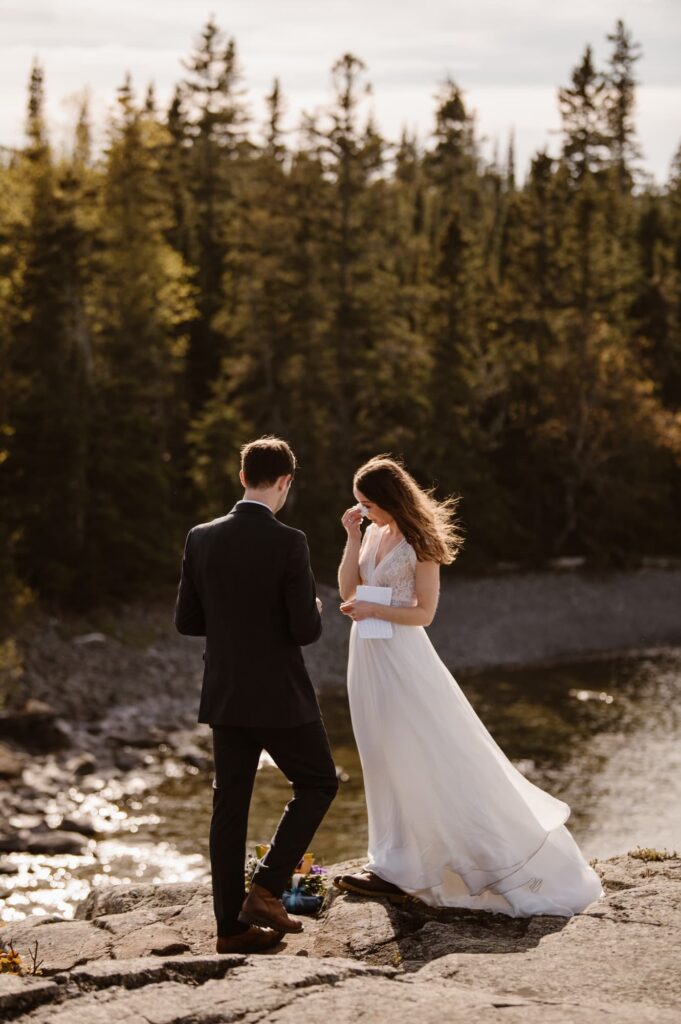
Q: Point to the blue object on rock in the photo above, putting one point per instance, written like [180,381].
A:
[298,903]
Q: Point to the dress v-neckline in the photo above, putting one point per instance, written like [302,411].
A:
[375,550]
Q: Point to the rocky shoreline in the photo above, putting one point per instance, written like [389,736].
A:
[128,665]
[145,953]
[85,666]
[102,706]
[96,704]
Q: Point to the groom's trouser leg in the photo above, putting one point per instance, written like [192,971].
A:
[236,753]
[304,756]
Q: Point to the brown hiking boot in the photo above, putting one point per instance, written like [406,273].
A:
[369,884]
[262,908]
[253,940]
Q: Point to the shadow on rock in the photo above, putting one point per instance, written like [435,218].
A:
[411,934]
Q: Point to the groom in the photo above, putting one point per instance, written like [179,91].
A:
[247,586]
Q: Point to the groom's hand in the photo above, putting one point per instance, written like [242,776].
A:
[320,607]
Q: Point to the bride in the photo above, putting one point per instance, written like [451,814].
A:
[451,820]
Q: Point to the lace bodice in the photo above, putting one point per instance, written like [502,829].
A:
[397,569]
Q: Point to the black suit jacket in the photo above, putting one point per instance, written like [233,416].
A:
[247,586]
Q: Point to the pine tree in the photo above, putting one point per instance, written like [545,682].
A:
[464,369]
[657,304]
[584,115]
[510,164]
[13,214]
[280,373]
[620,93]
[143,293]
[49,368]
[214,119]
[274,144]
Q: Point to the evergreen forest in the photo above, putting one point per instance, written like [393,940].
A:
[200,279]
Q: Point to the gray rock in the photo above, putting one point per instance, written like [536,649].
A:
[12,763]
[151,940]
[56,841]
[299,990]
[144,971]
[129,758]
[12,842]
[36,727]
[84,826]
[61,944]
[121,899]
[81,765]
[135,736]
[193,756]
[365,959]
[19,994]
[42,841]
[363,929]
[89,638]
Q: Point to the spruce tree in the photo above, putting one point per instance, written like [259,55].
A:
[49,368]
[143,292]
[620,96]
[215,120]
[585,118]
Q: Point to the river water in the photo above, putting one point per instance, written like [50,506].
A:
[603,735]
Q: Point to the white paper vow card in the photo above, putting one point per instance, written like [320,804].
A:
[374,629]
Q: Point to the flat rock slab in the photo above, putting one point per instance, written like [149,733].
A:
[21,994]
[296,990]
[61,944]
[143,954]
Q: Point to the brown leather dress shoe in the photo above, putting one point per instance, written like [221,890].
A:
[262,908]
[366,883]
[253,940]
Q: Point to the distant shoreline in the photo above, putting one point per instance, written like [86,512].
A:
[532,618]
[85,665]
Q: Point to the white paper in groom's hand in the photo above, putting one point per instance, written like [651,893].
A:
[374,629]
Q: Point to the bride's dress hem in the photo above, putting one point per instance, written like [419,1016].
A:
[489,897]
[451,820]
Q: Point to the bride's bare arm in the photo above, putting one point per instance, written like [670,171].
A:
[427,588]
[348,571]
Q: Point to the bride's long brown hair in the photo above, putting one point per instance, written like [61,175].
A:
[427,524]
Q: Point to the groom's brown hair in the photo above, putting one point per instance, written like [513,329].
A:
[265,460]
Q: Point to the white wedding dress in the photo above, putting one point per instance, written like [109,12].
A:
[451,820]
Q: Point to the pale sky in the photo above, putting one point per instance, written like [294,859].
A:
[509,57]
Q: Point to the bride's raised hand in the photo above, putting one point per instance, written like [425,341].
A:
[351,520]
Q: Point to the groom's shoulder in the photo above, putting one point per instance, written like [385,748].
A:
[292,538]
[287,534]
[201,529]
[210,523]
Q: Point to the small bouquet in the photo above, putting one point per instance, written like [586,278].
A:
[305,892]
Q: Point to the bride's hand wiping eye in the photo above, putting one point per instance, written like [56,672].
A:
[352,521]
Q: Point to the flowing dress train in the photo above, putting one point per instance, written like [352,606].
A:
[451,819]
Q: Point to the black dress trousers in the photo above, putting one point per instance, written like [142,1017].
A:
[302,753]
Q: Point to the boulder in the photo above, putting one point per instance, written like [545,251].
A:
[42,841]
[36,727]
[82,764]
[84,826]
[12,763]
[22,994]
[62,945]
[128,759]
